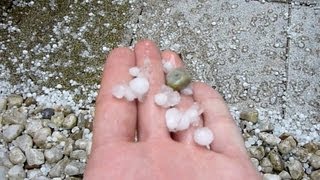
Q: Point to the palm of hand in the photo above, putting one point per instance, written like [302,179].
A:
[166,160]
[159,154]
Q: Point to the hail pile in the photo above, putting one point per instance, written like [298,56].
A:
[177,81]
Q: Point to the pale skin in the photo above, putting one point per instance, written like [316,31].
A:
[159,154]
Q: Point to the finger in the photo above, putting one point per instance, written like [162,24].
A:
[115,119]
[187,101]
[151,123]
[217,117]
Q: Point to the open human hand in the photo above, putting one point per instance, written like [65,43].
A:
[159,154]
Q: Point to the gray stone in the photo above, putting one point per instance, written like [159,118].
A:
[3,104]
[315,175]
[16,172]
[3,172]
[276,160]
[40,137]
[14,116]
[266,165]
[295,169]
[53,155]
[33,126]
[315,161]
[271,177]
[58,118]
[250,115]
[74,168]
[287,145]
[68,148]
[301,153]
[14,100]
[257,152]
[69,121]
[44,178]
[16,156]
[24,142]
[311,147]
[34,157]
[81,144]
[4,158]
[284,175]
[47,113]
[12,132]
[269,138]
[58,168]
[34,173]
[79,154]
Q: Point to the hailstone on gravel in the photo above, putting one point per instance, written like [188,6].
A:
[203,136]
[167,66]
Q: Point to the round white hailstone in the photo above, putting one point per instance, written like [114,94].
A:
[139,85]
[167,66]
[134,71]
[184,123]
[119,91]
[129,94]
[187,91]
[173,116]
[203,136]
[161,99]
[174,98]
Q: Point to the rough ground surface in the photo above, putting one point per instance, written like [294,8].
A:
[260,55]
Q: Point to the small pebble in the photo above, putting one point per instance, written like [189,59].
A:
[295,169]
[16,172]
[16,156]
[251,116]
[276,160]
[284,175]
[58,118]
[178,79]
[287,145]
[14,116]
[315,161]
[34,157]
[40,137]
[271,177]
[14,100]
[266,165]
[203,136]
[69,121]
[47,113]
[315,175]
[24,142]
[13,131]
[58,168]
[30,101]
[3,172]
[53,155]
[33,126]
[3,104]
[256,152]
[269,138]
[74,168]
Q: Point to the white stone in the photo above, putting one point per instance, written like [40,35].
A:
[24,142]
[203,136]
[271,177]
